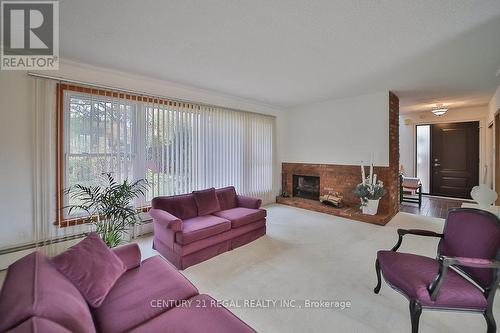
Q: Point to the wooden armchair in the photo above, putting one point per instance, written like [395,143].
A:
[469,245]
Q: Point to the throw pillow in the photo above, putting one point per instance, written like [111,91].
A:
[206,201]
[92,267]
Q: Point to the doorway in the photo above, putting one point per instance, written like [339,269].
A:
[447,160]
[497,155]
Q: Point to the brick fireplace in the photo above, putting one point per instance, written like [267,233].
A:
[307,187]
[344,178]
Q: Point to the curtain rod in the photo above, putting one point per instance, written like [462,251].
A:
[135,92]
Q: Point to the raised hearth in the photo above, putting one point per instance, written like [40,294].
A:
[306,182]
[353,213]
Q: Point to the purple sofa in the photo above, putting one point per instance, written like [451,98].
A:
[192,228]
[151,296]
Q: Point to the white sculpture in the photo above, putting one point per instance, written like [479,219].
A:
[483,194]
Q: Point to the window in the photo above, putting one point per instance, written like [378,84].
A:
[424,156]
[177,147]
[100,138]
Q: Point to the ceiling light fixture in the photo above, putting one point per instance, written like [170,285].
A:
[439,110]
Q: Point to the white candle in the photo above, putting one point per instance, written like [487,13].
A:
[375,179]
[363,176]
[371,173]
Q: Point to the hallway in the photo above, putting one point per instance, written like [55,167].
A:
[431,206]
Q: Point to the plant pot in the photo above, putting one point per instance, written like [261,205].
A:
[371,207]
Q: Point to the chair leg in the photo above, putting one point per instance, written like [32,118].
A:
[490,321]
[415,312]
[379,280]
[420,196]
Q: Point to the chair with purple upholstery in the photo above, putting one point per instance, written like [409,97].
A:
[463,277]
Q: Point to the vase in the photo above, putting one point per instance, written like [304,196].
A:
[371,207]
[483,195]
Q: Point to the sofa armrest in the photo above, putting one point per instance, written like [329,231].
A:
[248,202]
[129,254]
[166,219]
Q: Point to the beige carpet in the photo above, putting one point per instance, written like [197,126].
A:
[313,256]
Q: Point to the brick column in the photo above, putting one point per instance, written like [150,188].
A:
[393,183]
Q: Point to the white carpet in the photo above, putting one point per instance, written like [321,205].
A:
[312,256]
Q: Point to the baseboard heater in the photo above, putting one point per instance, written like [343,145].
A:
[51,241]
[33,245]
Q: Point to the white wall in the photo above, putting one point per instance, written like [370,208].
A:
[406,146]
[494,105]
[407,132]
[343,131]
[491,145]
[16,158]
[16,133]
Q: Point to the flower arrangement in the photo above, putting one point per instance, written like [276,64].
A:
[370,188]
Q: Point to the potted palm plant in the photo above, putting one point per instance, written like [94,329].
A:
[108,206]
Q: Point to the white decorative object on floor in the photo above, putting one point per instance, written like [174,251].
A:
[371,207]
[483,195]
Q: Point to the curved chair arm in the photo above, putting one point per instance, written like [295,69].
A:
[445,262]
[418,232]
[471,262]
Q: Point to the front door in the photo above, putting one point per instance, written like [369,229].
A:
[454,158]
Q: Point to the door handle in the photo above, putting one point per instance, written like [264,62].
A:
[437,164]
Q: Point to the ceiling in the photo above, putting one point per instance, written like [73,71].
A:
[292,52]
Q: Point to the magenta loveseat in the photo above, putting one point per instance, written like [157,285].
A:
[151,296]
[192,228]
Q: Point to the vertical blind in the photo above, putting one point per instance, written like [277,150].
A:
[177,147]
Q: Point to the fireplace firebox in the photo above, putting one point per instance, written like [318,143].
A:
[306,187]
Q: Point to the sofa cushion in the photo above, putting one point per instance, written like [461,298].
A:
[181,206]
[227,197]
[141,294]
[240,216]
[199,314]
[201,227]
[34,287]
[412,274]
[39,325]
[206,201]
[92,267]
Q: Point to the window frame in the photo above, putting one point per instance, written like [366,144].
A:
[61,143]
[208,120]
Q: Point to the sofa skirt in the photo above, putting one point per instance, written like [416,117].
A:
[184,256]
